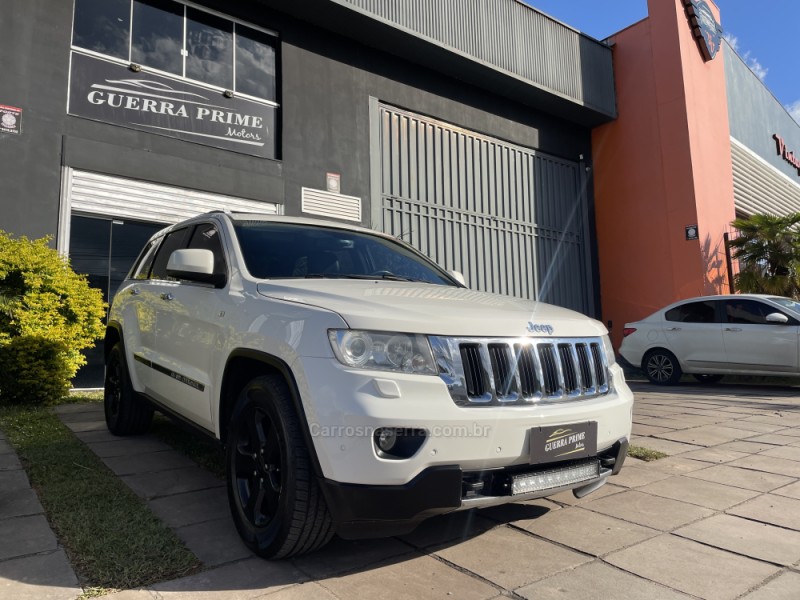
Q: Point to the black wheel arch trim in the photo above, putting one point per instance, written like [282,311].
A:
[291,383]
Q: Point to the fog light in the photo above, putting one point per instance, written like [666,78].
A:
[386,439]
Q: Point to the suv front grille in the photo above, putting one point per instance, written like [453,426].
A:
[491,372]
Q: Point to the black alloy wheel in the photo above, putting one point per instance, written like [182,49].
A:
[661,367]
[258,465]
[276,502]
[127,413]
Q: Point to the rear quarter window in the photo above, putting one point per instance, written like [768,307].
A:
[693,312]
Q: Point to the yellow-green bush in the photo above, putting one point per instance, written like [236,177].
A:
[47,313]
[34,371]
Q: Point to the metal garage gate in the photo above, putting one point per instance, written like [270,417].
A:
[514,221]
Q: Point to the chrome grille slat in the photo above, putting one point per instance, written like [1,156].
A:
[494,372]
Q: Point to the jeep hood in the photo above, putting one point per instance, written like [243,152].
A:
[431,309]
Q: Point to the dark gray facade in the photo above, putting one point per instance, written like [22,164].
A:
[335,59]
[755,115]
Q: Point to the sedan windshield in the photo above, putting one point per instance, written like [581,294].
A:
[793,305]
[291,250]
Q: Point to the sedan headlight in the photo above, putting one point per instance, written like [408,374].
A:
[384,351]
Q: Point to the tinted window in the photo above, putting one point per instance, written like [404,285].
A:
[747,311]
[142,269]
[103,26]
[209,43]
[173,241]
[255,63]
[206,237]
[158,35]
[285,250]
[693,312]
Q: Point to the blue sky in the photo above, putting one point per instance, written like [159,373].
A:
[764,33]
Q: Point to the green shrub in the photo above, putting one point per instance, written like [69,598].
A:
[47,313]
[34,371]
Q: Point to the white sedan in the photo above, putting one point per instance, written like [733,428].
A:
[712,336]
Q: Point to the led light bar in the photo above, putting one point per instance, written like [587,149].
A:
[555,478]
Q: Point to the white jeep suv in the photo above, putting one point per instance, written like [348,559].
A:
[358,387]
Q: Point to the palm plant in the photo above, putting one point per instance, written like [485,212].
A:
[768,251]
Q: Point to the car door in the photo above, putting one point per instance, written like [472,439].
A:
[143,297]
[694,334]
[189,318]
[752,343]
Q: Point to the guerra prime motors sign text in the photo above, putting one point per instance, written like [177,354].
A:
[109,92]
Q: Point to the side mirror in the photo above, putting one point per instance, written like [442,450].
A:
[458,277]
[777,318]
[194,264]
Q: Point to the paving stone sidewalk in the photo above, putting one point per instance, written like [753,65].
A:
[719,519]
[32,565]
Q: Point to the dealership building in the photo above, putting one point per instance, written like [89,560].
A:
[541,163]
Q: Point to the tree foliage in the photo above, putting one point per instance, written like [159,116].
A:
[768,251]
[48,315]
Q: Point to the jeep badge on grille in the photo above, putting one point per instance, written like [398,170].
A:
[540,328]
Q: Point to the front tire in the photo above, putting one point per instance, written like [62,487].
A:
[661,367]
[275,500]
[127,413]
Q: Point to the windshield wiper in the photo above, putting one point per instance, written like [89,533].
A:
[384,276]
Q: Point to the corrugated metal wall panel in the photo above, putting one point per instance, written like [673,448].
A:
[758,187]
[99,194]
[507,217]
[512,36]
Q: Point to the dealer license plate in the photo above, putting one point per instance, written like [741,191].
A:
[563,442]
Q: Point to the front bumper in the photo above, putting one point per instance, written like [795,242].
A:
[366,511]
[344,408]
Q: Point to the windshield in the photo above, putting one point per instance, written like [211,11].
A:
[787,303]
[290,251]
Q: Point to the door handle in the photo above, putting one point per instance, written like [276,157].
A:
[168,297]
[673,328]
[135,291]
[733,329]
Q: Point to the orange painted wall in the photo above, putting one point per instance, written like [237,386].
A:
[664,164]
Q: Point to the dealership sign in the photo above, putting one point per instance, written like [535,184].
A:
[705,28]
[111,93]
[783,151]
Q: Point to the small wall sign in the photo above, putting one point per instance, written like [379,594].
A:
[10,119]
[692,232]
[333,182]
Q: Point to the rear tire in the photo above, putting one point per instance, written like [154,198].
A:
[706,378]
[127,413]
[275,500]
[661,367]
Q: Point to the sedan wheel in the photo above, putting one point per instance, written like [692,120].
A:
[661,367]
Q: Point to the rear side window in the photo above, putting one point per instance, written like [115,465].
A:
[141,270]
[173,241]
[694,312]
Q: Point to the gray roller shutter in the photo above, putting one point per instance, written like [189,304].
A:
[511,219]
[119,197]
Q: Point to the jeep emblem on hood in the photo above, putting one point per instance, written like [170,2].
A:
[537,328]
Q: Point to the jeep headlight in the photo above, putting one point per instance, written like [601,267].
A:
[384,351]
[610,356]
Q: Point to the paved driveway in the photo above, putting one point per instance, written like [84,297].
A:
[718,519]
